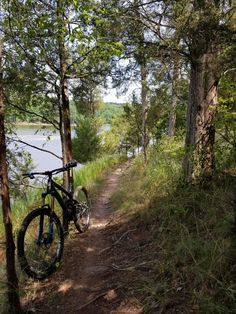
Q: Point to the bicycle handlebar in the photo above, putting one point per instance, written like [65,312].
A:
[70,164]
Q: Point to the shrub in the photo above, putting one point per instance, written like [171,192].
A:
[86,144]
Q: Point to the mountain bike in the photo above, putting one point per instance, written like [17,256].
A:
[40,238]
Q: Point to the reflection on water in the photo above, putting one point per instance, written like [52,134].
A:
[46,139]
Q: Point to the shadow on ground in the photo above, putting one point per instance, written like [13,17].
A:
[100,268]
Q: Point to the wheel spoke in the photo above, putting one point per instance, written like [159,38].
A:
[40,243]
[82,213]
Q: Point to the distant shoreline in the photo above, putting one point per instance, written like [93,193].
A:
[32,124]
[36,124]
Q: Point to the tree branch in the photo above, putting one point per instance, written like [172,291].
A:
[41,149]
[80,59]
[53,123]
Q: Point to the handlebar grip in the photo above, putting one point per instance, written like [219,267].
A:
[28,175]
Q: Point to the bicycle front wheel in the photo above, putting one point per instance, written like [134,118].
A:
[40,243]
[82,209]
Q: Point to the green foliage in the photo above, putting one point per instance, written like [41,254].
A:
[19,162]
[226,123]
[132,116]
[108,111]
[32,60]
[21,204]
[92,171]
[87,98]
[192,229]
[87,92]
[113,138]
[124,134]
[160,106]
[87,142]
[197,249]
[159,176]
[31,198]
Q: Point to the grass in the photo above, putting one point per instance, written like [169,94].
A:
[86,176]
[193,230]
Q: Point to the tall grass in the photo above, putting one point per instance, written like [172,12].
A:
[192,229]
[159,177]
[87,175]
[20,207]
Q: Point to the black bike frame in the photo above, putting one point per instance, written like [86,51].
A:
[52,188]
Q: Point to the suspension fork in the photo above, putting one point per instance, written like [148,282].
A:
[50,226]
[40,239]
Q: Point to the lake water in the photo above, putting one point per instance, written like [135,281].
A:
[44,139]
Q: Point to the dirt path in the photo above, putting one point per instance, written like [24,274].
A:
[87,282]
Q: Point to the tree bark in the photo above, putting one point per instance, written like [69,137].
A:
[64,104]
[205,43]
[141,59]
[200,136]
[144,107]
[174,99]
[12,280]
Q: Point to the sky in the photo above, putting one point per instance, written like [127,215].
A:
[110,95]
[115,95]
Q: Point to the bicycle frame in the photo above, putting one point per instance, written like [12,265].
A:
[52,189]
[40,239]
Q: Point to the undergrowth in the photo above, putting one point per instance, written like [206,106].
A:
[86,176]
[193,230]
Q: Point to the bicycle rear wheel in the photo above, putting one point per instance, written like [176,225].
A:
[82,212]
[40,243]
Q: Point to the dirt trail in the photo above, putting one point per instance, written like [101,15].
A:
[86,282]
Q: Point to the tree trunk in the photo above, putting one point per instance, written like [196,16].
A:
[174,99]
[64,104]
[12,280]
[66,125]
[199,162]
[144,107]
[141,59]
